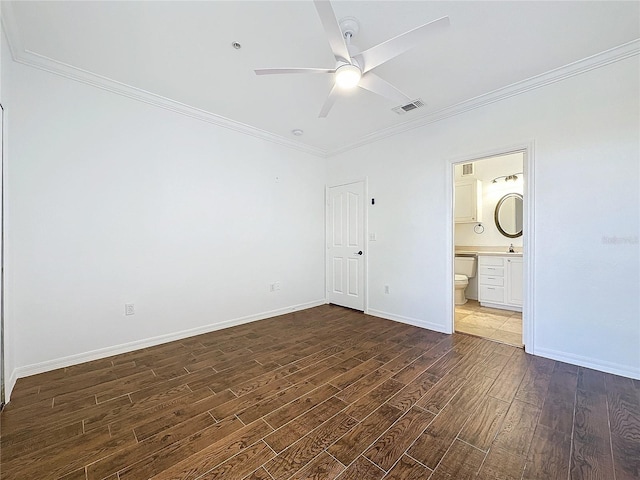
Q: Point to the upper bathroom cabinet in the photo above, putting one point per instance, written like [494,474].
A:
[468,201]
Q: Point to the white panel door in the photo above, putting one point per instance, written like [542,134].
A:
[345,245]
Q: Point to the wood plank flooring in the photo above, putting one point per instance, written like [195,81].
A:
[326,393]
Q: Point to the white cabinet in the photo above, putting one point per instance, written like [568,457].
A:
[468,201]
[500,282]
[514,276]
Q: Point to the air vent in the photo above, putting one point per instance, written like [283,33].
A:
[402,109]
[467,169]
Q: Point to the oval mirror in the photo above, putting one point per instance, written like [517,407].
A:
[508,215]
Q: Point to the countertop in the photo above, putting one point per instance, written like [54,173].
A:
[490,254]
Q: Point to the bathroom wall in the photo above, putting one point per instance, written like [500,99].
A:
[485,171]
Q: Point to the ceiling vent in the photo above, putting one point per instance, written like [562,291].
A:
[402,109]
[467,169]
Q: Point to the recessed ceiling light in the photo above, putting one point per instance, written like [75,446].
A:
[236,45]
[297,132]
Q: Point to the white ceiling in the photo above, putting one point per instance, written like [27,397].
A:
[182,51]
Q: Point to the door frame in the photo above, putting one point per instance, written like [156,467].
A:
[528,311]
[365,235]
[2,358]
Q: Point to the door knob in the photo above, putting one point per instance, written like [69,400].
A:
[359,253]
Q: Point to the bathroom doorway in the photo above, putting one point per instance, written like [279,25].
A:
[490,239]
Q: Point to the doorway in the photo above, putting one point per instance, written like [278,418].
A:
[490,242]
[345,240]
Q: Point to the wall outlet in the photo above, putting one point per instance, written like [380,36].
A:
[129,309]
[386,289]
[276,285]
[372,237]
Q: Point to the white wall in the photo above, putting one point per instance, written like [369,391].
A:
[486,170]
[114,201]
[586,307]
[6,360]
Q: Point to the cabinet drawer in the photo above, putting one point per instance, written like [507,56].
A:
[492,271]
[491,280]
[488,260]
[491,294]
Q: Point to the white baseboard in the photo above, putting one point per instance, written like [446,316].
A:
[588,362]
[48,365]
[511,308]
[8,387]
[408,320]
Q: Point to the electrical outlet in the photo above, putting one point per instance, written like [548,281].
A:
[372,237]
[129,309]
[276,286]
[386,289]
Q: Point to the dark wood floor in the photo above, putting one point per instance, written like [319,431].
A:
[321,394]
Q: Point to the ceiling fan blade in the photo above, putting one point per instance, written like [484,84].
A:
[328,103]
[332,29]
[275,71]
[384,51]
[373,83]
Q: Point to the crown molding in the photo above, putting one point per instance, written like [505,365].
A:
[24,56]
[579,67]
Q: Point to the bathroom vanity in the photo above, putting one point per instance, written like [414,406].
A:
[500,281]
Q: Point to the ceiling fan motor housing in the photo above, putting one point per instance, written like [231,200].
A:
[354,62]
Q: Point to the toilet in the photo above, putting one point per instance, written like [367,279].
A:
[464,269]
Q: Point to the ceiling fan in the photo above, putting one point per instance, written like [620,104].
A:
[353,68]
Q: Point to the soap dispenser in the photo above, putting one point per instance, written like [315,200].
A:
[511,250]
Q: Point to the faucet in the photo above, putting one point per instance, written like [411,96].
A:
[511,250]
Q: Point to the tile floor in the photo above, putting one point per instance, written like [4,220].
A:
[501,325]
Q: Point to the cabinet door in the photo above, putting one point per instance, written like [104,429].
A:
[466,208]
[514,279]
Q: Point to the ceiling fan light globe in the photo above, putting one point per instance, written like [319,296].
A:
[348,76]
